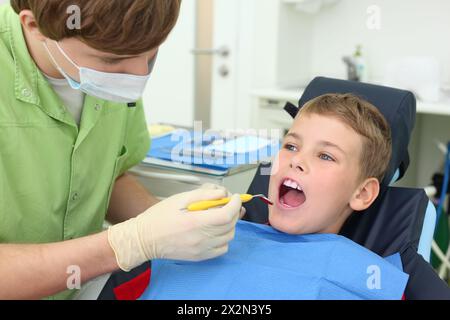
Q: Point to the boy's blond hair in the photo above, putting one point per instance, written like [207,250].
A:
[364,119]
[122,27]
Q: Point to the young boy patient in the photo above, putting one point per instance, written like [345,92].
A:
[331,163]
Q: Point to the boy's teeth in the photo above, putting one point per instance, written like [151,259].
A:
[292,184]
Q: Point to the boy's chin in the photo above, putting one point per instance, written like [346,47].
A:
[283,224]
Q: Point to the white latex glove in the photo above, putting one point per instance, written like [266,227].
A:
[168,231]
[212,186]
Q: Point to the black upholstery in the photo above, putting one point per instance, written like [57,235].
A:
[394,221]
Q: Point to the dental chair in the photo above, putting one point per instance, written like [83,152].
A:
[401,220]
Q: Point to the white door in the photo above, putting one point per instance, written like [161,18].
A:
[169,95]
[217,59]
[195,77]
[225,71]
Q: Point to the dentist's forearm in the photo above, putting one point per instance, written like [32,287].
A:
[38,271]
[128,199]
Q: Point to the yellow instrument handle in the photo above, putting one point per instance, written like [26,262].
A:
[205,205]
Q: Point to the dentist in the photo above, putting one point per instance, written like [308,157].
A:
[71,125]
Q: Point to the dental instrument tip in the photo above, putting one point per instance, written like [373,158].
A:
[264,199]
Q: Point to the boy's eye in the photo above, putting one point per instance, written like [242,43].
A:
[325,157]
[290,147]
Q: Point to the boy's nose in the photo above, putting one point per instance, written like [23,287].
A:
[298,164]
[297,167]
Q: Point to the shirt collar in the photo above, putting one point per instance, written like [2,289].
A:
[26,73]
[29,83]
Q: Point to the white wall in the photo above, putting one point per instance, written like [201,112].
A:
[272,51]
[408,27]
[169,96]
[279,40]
[294,47]
[291,47]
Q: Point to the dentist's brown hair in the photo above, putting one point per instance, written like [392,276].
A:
[122,27]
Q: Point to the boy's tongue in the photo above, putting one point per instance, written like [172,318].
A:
[294,198]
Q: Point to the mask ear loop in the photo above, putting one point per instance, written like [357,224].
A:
[66,56]
[56,63]
[52,58]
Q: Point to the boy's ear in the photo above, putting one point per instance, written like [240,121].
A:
[29,23]
[365,195]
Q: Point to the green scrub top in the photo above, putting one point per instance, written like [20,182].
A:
[55,178]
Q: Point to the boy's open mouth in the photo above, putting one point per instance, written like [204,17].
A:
[291,194]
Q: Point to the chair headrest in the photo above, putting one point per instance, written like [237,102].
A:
[397,106]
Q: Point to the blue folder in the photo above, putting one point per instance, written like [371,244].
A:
[264,264]
[188,147]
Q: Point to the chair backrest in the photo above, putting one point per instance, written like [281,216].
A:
[394,221]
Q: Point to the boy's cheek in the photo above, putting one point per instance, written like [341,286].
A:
[329,180]
[272,192]
[275,171]
[280,163]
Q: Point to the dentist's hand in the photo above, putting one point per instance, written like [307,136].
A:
[212,186]
[168,231]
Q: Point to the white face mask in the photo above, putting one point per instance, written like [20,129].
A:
[116,87]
